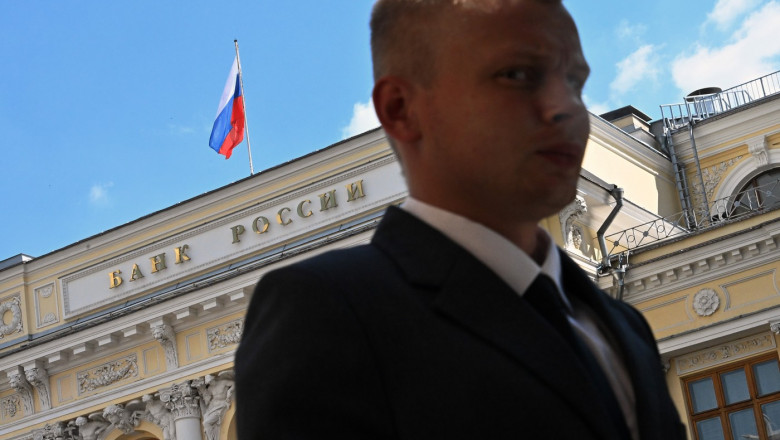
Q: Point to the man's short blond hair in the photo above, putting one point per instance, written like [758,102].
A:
[400,43]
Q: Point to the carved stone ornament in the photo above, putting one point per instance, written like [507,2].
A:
[182,400]
[165,335]
[10,406]
[757,147]
[158,413]
[125,418]
[45,291]
[575,210]
[39,378]
[225,335]
[216,397]
[717,355]
[711,177]
[14,325]
[706,302]
[774,326]
[55,431]
[107,374]
[91,427]
[19,383]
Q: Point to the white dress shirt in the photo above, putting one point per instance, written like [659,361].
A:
[518,270]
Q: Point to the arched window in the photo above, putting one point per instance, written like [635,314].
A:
[762,192]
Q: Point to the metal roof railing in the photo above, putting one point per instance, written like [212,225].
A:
[700,107]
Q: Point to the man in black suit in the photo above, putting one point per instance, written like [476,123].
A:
[461,319]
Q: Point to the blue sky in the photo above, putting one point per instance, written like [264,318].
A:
[106,107]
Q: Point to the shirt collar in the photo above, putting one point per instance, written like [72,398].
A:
[508,261]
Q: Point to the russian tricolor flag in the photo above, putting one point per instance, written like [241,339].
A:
[228,130]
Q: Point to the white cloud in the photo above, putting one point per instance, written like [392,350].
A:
[626,30]
[752,52]
[98,194]
[642,65]
[597,108]
[727,12]
[363,119]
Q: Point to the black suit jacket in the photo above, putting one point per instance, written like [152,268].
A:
[411,337]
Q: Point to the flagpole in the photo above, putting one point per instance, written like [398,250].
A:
[243,102]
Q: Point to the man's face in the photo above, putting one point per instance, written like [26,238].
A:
[503,124]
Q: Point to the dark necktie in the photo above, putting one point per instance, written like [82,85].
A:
[543,295]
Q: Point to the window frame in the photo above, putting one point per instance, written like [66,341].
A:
[722,410]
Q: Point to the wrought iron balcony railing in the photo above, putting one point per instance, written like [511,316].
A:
[754,200]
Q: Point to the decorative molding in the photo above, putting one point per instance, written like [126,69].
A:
[124,417]
[13,304]
[720,354]
[107,374]
[677,271]
[224,335]
[772,274]
[10,406]
[758,148]
[44,292]
[576,210]
[38,377]
[182,400]
[711,177]
[18,382]
[91,427]
[57,431]
[706,302]
[165,335]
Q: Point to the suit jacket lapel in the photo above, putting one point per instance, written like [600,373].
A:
[468,293]
[628,340]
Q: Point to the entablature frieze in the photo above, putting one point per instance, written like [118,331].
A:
[689,267]
[206,398]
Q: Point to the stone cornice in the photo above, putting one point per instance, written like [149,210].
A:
[638,152]
[690,267]
[722,132]
[201,304]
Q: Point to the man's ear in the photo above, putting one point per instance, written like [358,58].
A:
[393,102]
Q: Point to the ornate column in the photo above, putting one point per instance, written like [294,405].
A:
[184,403]
[165,335]
[38,377]
[19,383]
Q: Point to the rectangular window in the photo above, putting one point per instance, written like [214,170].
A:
[736,402]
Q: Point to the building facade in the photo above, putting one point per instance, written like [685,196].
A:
[130,334]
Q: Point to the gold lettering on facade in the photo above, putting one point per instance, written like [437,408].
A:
[355,190]
[328,200]
[181,253]
[237,230]
[280,219]
[260,221]
[158,263]
[136,273]
[300,209]
[115,279]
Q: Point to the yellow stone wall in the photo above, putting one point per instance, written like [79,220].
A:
[643,184]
